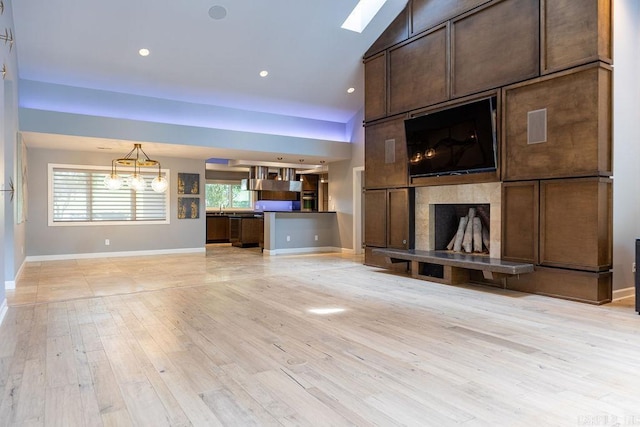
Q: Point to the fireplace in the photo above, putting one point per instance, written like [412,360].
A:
[447,221]
[434,233]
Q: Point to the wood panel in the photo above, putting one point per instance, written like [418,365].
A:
[217,229]
[375,218]
[574,33]
[396,32]
[399,218]
[591,287]
[418,73]
[495,45]
[386,162]
[520,221]
[426,14]
[576,223]
[578,125]
[375,87]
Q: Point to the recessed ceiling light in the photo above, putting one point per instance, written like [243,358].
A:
[144,52]
[217,12]
[351,90]
[362,14]
[264,73]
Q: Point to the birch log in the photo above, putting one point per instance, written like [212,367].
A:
[462,225]
[477,234]
[452,242]
[467,241]
[485,237]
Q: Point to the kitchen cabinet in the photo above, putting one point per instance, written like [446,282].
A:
[245,231]
[217,229]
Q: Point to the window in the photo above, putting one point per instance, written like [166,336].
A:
[78,196]
[226,195]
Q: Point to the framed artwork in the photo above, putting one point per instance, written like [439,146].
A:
[188,183]
[188,207]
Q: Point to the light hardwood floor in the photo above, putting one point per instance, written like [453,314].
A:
[232,338]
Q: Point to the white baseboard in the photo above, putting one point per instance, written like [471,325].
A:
[298,251]
[113,254]
[3,310]
[348,251]
[619,294]
[11,284]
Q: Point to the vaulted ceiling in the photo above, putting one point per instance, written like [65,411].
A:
[203,52]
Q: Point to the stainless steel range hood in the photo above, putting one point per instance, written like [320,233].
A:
[259,180]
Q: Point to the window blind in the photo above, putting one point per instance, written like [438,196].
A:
[79,195]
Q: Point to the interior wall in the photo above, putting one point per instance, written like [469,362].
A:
[626,146]
[12,234]
[43,240]
[341,182]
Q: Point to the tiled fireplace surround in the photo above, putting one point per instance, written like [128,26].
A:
[427,197]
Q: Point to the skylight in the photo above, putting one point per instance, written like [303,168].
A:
[362,14]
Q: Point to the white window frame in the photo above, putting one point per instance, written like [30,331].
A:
[52,223]
[252,196]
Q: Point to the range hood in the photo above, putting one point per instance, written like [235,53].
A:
[259,180]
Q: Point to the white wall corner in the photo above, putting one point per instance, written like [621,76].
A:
[3,310]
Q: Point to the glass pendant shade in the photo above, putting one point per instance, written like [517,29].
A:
[113,181]
[159,184]
[137,182]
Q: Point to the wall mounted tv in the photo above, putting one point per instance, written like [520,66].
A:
[459,140]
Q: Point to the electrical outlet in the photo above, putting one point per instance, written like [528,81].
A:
[316,237]
[288,238]
[107,242]
[633,267]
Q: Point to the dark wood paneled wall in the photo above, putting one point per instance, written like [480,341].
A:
[551,55]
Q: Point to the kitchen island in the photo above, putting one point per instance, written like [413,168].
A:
[300,232]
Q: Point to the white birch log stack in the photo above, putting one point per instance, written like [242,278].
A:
[477,234]
[462,225]
[467,240]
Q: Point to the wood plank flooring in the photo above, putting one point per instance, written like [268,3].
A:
[235,338]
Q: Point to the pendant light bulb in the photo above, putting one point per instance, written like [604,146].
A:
[159,184]
[137,182]
[113,181]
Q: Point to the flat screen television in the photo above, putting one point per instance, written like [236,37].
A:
[459,140]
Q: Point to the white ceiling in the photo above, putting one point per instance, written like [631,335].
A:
[194,58]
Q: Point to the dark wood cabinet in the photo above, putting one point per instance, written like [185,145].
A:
[386,162]
[576,223]
[574,33]
[559,126]
[217,229]
[399,214]
[520,215]
[375,85]
[309,182]
[495,45]
[415,81]
[426,14]
[245,231]
[388,221]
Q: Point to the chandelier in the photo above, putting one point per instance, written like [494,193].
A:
[138,159]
